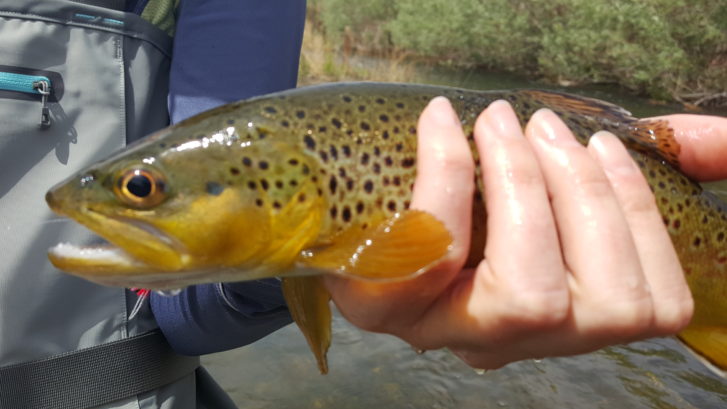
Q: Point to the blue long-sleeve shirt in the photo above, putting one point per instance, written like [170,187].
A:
[225,51]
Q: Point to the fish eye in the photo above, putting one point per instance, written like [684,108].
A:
[141,188]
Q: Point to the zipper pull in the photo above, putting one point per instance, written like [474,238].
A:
[43,88]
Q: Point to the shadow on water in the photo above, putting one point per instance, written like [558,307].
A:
[377,371]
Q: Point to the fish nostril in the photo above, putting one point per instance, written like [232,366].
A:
[50,199]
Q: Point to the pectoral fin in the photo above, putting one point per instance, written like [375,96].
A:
[710,343]
[308,301]
[397,248]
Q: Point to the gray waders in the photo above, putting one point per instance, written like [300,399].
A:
[78,80]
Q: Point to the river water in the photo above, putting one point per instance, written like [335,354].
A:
[375,371]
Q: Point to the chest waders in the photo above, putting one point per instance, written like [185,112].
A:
[78,80]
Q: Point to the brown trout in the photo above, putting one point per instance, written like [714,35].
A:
[318,180]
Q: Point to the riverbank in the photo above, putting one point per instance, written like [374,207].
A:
[660,49]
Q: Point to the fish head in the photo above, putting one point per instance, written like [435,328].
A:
[203,202]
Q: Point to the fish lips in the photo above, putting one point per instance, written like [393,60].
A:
[137,247]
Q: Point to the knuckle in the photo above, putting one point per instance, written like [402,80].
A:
[538,310]
[674,316]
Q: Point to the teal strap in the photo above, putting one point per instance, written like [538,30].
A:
[94,376]
[20,82]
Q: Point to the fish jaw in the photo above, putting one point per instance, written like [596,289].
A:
[136,247]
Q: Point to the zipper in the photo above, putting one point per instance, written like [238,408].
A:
[30,84]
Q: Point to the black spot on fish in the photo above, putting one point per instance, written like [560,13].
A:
[365,158]
[346,150]
[336,123]
[293,182]
[230,122]
[368,186]
[279,184]
[300,114]
[377,151]
[384,118]
[361,108]
[214,188]
[263,165]
[332,184]
[399,146]
[396,181]
[259,202]
[322,129]
[359,207]
[388,161]
[276,204]
[264,184]
[333,212]
[377,168]
[323,155]
[271,110]
[720,236]
[301,197]
[246,161]
[391,205]
[293,162]
[306,169]
[334,152]
[697,241]
[252,185]
[407,162]
[400,105]
[234,171]
[365,126]
[285,123]
[396,129]
[349,184]
[310,143]
[380,101]
[386,181]
[342,172]
[346,98]
[385,135]
[346,214]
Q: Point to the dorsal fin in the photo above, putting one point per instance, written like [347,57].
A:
[579,105]
[651,137]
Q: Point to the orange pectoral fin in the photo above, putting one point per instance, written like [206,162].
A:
[709,343]
[399,247]
[308,301]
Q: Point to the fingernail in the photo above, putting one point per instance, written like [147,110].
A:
[547,126]
[502,119]
[442,112]
[610,153]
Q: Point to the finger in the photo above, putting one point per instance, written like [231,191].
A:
[672,299]
[703,141]
[522,250]
[594,234]
[444,183]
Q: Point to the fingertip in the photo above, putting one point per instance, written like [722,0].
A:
[440,112]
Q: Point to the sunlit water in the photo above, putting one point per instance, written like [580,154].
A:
[381,372]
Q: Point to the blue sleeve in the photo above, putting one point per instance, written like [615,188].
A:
[225,51]
[209,318]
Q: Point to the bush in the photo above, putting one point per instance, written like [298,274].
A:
[664,48]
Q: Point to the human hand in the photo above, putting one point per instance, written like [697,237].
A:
[577,257]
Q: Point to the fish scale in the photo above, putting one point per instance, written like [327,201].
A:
[319,179]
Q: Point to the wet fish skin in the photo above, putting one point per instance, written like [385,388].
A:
[298,182]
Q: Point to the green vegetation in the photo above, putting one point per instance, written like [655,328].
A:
[668,49]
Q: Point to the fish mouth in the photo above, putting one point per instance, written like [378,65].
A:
[137,252]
